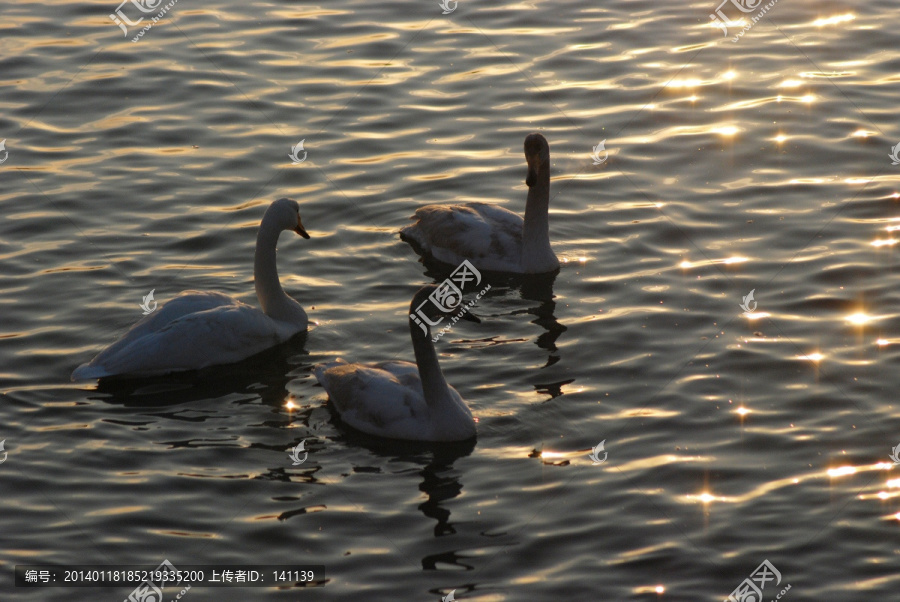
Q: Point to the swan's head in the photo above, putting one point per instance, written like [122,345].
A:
[537,154]
[287,214]
[423,306]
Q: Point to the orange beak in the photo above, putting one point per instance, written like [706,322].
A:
[300,229]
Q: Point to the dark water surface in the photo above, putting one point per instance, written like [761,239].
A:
[732,439]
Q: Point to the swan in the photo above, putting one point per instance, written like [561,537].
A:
[490,237]
[199,329]
[397,399]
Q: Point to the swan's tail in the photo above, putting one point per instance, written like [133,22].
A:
[89,372]
[321,369]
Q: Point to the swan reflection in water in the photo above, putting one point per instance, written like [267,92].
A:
[534,288]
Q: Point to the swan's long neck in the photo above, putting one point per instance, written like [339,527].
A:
[536,229]
[433,384]
[272,299]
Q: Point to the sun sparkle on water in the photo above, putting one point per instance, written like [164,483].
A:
[834,20]
[859,318]
[842,471]
[727,261]
[691,82]
[757,315]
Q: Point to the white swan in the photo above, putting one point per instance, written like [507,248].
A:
[397,399]
[491,237]
[199,329]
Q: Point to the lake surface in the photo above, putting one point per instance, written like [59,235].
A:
[733,436]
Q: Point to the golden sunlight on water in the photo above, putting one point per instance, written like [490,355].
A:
[844,18]
[759,165]
[706,262]
[756,315]
[860,318]
[707,498]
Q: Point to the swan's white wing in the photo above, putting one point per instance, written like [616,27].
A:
[500,218]
[185,303]
[220,335]
[487,235]
[188,302]
[405,372]
[375,400]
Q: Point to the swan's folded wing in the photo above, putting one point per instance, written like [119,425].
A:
[372,399]
[188,302]
[221,335]
[476,231]
[406,373]
[500,218]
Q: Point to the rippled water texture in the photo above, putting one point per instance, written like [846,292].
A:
[727,167]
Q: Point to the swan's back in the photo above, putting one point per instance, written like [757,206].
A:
[192,331]
[187,302]
[383,399]
[487,235]
[386,399]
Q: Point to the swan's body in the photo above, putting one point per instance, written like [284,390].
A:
[490,237]
[397,399]
[200,329]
